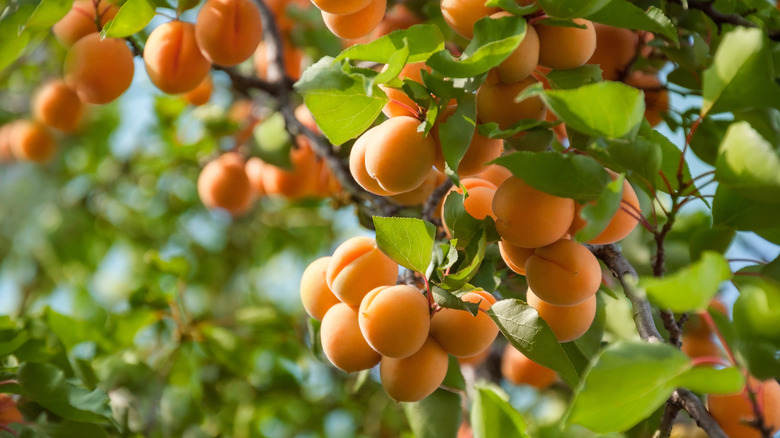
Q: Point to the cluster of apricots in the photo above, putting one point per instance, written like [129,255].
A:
[735,414]
[368,319]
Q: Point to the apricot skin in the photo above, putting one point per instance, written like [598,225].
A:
[32,141]
[615,48]
[415,377]
[228,31]
[223,183]
[731,410]
[479,202]
[357,267]
[567,322]
[461,15]
[656,96]
[622,223]
[564,273]
[530,218]
[523,60]
[99,70]
[57,105]
[341,6]
[80,21]
[357,166]
[295,183]
[495,102]
[520,370]
[9,413]
[421,194]
[316,297]
[480,151]
[356,24]
[495,173]
[254,171]
[173,60]
[514,256]
[293,57]
[565,48]
[462,334]
[200,94]
[395,320]
[403,102]
[342,342]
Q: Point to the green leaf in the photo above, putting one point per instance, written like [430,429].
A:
[408,241]
[394,65]
[691,288]
[670,163]
[473,255]
[741,75]
[448,300]
[492,130]
[707,138]
[527,332]
[463,226]
[565,175]
[709,380]
[13,42]
[454,379]
[641,157]
[70,429]
[436,416]
[731,209]
[11,340]
[715,239]
[456,133]
[338,100]
[597,216]
[627,382]
[271,141]
[494,40]
[47,13]
[427,39]
[748,164]
[132,17]
[620,13]
[571,9]
[493,417]
[757,311]
[512,6]
[575,77]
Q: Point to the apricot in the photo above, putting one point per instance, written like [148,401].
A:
[32,141]
[57,105]
[695,345]
[342,342]
[479,202]
[223,183]
[495,173]
[514,256]
[9,413]
[462,334]
[475,360]
[564,48]
[293,59]
[400,104]
[615,49]
[316,297]
[397,17]
[461,15]
[523,60]
[417,376]
[564,273]
[80,20]
[306,118]
[496,102]
[99,70]
[228,31]
[356,24]
[530,218]
[200,94]
[341,6]
[395,320]
[480,151]
[420,194]
[6,139]
[622,223]
[327,184]
[173,60]
[295,183]
[656,95]
[734,411]
[242,113]
[254,171]
[357,166]
[567,322]
[357,267]
[520,370]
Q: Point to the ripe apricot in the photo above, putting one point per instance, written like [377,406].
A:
[341,6]
[530,218]
[695,345]
[615,49]
[622,223]
[223,183]
[57,105]
[254,171]
[200,94]
[417,376]
[421,194]
[480,151]
[479,202]
[523,60]
[32,141]
[228,31]
[395,320]
[461,15]
[495,173]
[462,334]
[6,139]
[293,58]
[514,256]
[9,413]
[397,17]
[99,70]
[316,297]
[173,60]
[656,95]
[356,24]
[80,20]
[357,166]
[567,322]
[295,183]
[342,342]
[496,102]
[475,360]
[564,273]
[520,370]
[400,104]
[732,412]
[564,48]
[357,267]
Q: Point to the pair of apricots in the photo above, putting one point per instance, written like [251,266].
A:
[368,319]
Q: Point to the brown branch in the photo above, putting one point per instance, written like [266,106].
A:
[429,209]
[720,18]
[667,420]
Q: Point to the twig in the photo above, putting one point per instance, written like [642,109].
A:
[667,420]
[720,18]
[429,209]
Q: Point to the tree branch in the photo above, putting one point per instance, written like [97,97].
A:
[720,18]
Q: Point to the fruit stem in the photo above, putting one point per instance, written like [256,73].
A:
[414,112]
[705,315]
[428,294]
[9,382]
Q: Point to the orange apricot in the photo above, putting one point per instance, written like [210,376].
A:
[479,202]
[475,360]
[734,411]
[495,173]
[228,31]
[528,217]
[57,105]
[421,194]
[293,59]
[622,223]
[567,322]
[523,60]
[417,376]
[32,141]
[656,95]
[341,6]
[695,345]
[254,171]
[462,334]
[520,370]
[306,118]
[295,183]
[564,273]
[200,94]
[395,320]
[357,267]
[356,24]
[357,166]
[564,48]
[496,102]
[514,256]
[342,342]
[6,139]
[400,104]
[316,297]
[461,15]
[80,20]
[615,49]
[9,413]
[480,151]
[173,60]
[223,183]
[397,17]
[99,70]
